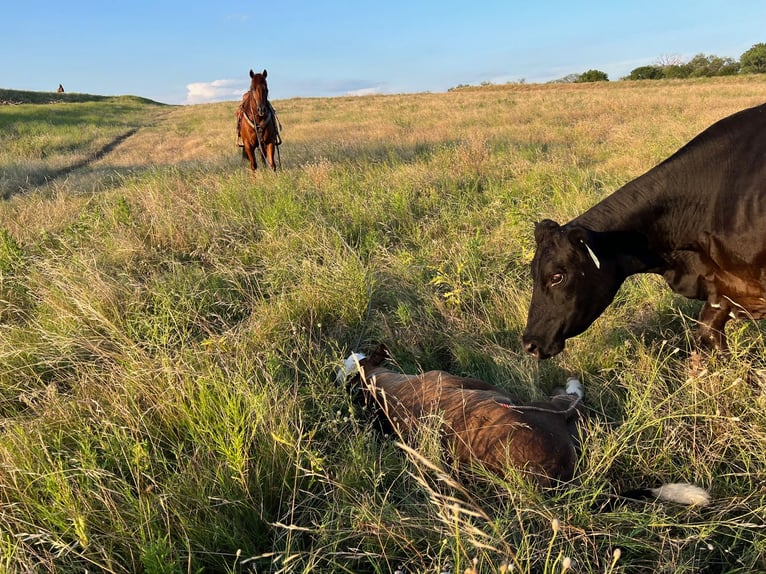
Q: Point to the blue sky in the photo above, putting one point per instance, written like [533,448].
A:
[197,51]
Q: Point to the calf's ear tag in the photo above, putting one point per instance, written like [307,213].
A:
[592,255]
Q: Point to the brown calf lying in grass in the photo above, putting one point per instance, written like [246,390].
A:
[483,423]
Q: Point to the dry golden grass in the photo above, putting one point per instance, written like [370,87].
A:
[176,136]
[593,123]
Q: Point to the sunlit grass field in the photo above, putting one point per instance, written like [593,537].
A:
[170,326]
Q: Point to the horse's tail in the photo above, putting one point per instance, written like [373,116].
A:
[677,492]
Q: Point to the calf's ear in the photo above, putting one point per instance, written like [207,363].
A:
[545,227]
[380,354]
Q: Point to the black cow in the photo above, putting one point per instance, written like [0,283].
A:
[698,219]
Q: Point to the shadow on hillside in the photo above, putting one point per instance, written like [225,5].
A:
[47,176]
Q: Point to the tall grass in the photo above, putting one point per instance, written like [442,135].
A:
[170,325]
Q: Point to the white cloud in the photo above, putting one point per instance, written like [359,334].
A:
[365,92]
[215,91]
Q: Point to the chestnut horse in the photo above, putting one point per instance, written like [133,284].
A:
[257,123]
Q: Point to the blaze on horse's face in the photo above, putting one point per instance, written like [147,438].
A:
[260,90]
[573,282]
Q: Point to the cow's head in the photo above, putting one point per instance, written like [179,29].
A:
[575,277]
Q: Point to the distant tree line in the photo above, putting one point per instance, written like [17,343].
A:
[753,61]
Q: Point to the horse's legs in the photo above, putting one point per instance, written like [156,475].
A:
[249,145]
[270,156]
[250,153]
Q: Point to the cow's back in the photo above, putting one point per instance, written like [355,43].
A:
[716,183]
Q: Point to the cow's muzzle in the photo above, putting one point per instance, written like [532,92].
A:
[540,351]
[534,350]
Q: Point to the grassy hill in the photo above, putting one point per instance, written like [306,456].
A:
[17,97]
[170,325]
[44,140]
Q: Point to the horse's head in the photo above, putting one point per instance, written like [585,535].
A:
[260,90]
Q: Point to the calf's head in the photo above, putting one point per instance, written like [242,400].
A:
[574,280]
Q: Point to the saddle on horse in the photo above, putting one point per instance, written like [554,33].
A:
[241,113]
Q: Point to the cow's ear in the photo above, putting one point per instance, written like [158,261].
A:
[545,227]
[585,239]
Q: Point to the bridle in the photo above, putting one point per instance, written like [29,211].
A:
[263,107]
[261,113]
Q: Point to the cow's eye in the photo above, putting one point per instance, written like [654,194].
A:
[556,279]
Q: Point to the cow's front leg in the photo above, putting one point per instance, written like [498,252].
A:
[713,318]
